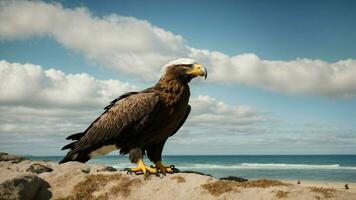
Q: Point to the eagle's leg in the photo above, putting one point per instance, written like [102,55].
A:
[135,155]
[141,167]
[164,169]
[154,153]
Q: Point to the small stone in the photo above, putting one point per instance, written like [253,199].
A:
[234,178]
[175,170]
[38,168]
[12,158]
[107,169]
[86,170]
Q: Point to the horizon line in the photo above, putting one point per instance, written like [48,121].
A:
[216,155]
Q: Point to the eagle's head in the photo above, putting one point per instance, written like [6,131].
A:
[184,69]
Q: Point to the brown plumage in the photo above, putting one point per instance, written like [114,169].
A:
[139,122]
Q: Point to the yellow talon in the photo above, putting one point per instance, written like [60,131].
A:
[143,168]
[164,169]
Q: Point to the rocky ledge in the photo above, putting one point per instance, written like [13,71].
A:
[27,179]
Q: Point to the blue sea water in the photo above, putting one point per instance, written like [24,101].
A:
[303,167]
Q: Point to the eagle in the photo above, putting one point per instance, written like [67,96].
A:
[139,123]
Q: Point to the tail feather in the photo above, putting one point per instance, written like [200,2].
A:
[69,146]
[76,136]
[76,151]
[72,156]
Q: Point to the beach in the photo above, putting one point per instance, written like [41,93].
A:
[36,179]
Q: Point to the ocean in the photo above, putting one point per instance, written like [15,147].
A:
[296,167]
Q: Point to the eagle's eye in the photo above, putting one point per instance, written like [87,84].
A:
[186,67]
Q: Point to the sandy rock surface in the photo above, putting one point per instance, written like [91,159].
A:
[26,179]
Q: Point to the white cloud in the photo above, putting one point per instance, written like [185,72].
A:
[282,139]
[30,85]
[23,127]
[209,113]
[215,124]
[133,46]
[296,77]
[41,131]
[39,108]
[139,48]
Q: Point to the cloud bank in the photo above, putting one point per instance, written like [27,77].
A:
[296,77]
[125,43]
[139,48]
[30,85]
[220,117]
[41,107]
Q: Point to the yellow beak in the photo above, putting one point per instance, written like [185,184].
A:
[198,70]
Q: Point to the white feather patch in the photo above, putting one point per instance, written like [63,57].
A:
[179,61]
[103,151]
[74,156]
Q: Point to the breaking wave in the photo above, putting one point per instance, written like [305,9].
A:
[265,166]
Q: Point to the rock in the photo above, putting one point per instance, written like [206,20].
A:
[38,168]
[106,169]
[86,170]
[74,167]
[192,172]
[234,178]
[25,187]
[12,158]
[74,180]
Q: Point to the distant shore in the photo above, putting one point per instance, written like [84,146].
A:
[29,179]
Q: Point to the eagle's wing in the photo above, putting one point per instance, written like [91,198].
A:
[187,111]
[154,152]
[125,116]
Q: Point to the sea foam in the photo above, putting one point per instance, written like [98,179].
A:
[265,166]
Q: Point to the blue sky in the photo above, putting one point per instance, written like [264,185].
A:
[296,94]
[271,29]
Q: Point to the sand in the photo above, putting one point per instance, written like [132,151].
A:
[325,184]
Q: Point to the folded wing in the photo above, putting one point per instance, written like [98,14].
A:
[125,116]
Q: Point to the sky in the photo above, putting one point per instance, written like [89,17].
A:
[281,73]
